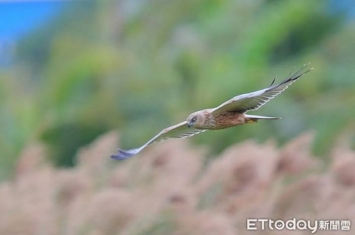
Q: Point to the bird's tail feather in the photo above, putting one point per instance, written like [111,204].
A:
[255,117]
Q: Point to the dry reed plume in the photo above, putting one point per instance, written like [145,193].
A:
[169,189]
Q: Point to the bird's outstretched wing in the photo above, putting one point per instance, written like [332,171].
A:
[180,130]
[254,100]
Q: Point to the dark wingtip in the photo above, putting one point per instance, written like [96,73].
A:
[122,155]
[273,81]
[294,76]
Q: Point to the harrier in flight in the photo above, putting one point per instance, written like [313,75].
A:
[230,113]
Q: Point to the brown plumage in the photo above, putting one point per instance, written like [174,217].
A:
[219,121]
[230,113]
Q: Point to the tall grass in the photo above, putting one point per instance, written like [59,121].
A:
[171,189]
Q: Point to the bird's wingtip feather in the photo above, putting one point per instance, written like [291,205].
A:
[122,154]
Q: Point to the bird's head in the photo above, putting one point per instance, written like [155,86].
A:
[195,120]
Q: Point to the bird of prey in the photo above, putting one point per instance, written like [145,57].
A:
[230,113]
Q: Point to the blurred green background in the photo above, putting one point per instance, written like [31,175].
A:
[140,66]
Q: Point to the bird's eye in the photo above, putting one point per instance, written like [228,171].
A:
[194,119]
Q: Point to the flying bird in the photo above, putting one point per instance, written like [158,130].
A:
[231,113]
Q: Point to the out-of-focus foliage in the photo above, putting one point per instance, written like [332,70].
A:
[170,190]
[139,66]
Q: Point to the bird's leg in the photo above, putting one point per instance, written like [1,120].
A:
[251,120]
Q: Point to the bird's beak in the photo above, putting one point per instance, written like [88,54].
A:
[189,125]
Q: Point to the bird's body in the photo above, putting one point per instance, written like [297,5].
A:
[227,119]
[222,120]
[229,114]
